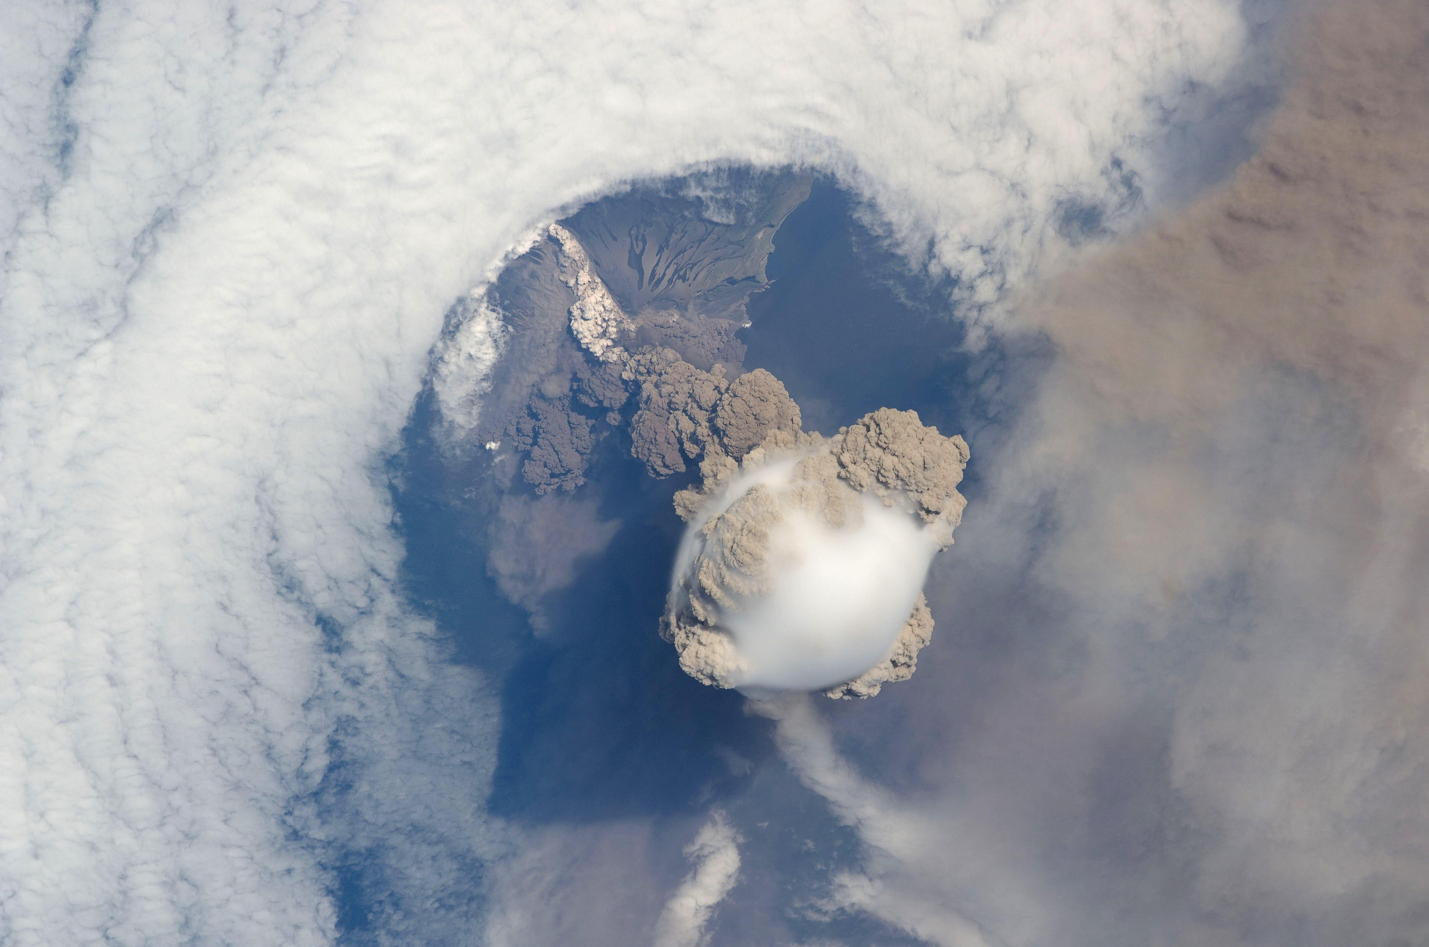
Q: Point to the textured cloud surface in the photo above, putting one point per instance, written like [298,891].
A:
[230,241]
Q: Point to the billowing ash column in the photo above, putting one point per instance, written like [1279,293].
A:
[803,564]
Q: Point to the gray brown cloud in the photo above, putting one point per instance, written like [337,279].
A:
[1190,699]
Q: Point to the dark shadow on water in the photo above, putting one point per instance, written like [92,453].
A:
[598,720]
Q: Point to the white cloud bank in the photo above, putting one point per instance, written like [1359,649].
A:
[231,239]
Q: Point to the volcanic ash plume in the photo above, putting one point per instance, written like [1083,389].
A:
[803,564]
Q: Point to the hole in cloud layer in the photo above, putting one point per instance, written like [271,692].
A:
[599,723]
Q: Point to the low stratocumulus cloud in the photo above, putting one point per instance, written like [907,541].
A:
[231,237]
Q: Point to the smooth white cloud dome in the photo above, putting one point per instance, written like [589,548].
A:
[838,597]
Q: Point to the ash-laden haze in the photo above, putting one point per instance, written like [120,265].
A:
[1219,498]
[329,606]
